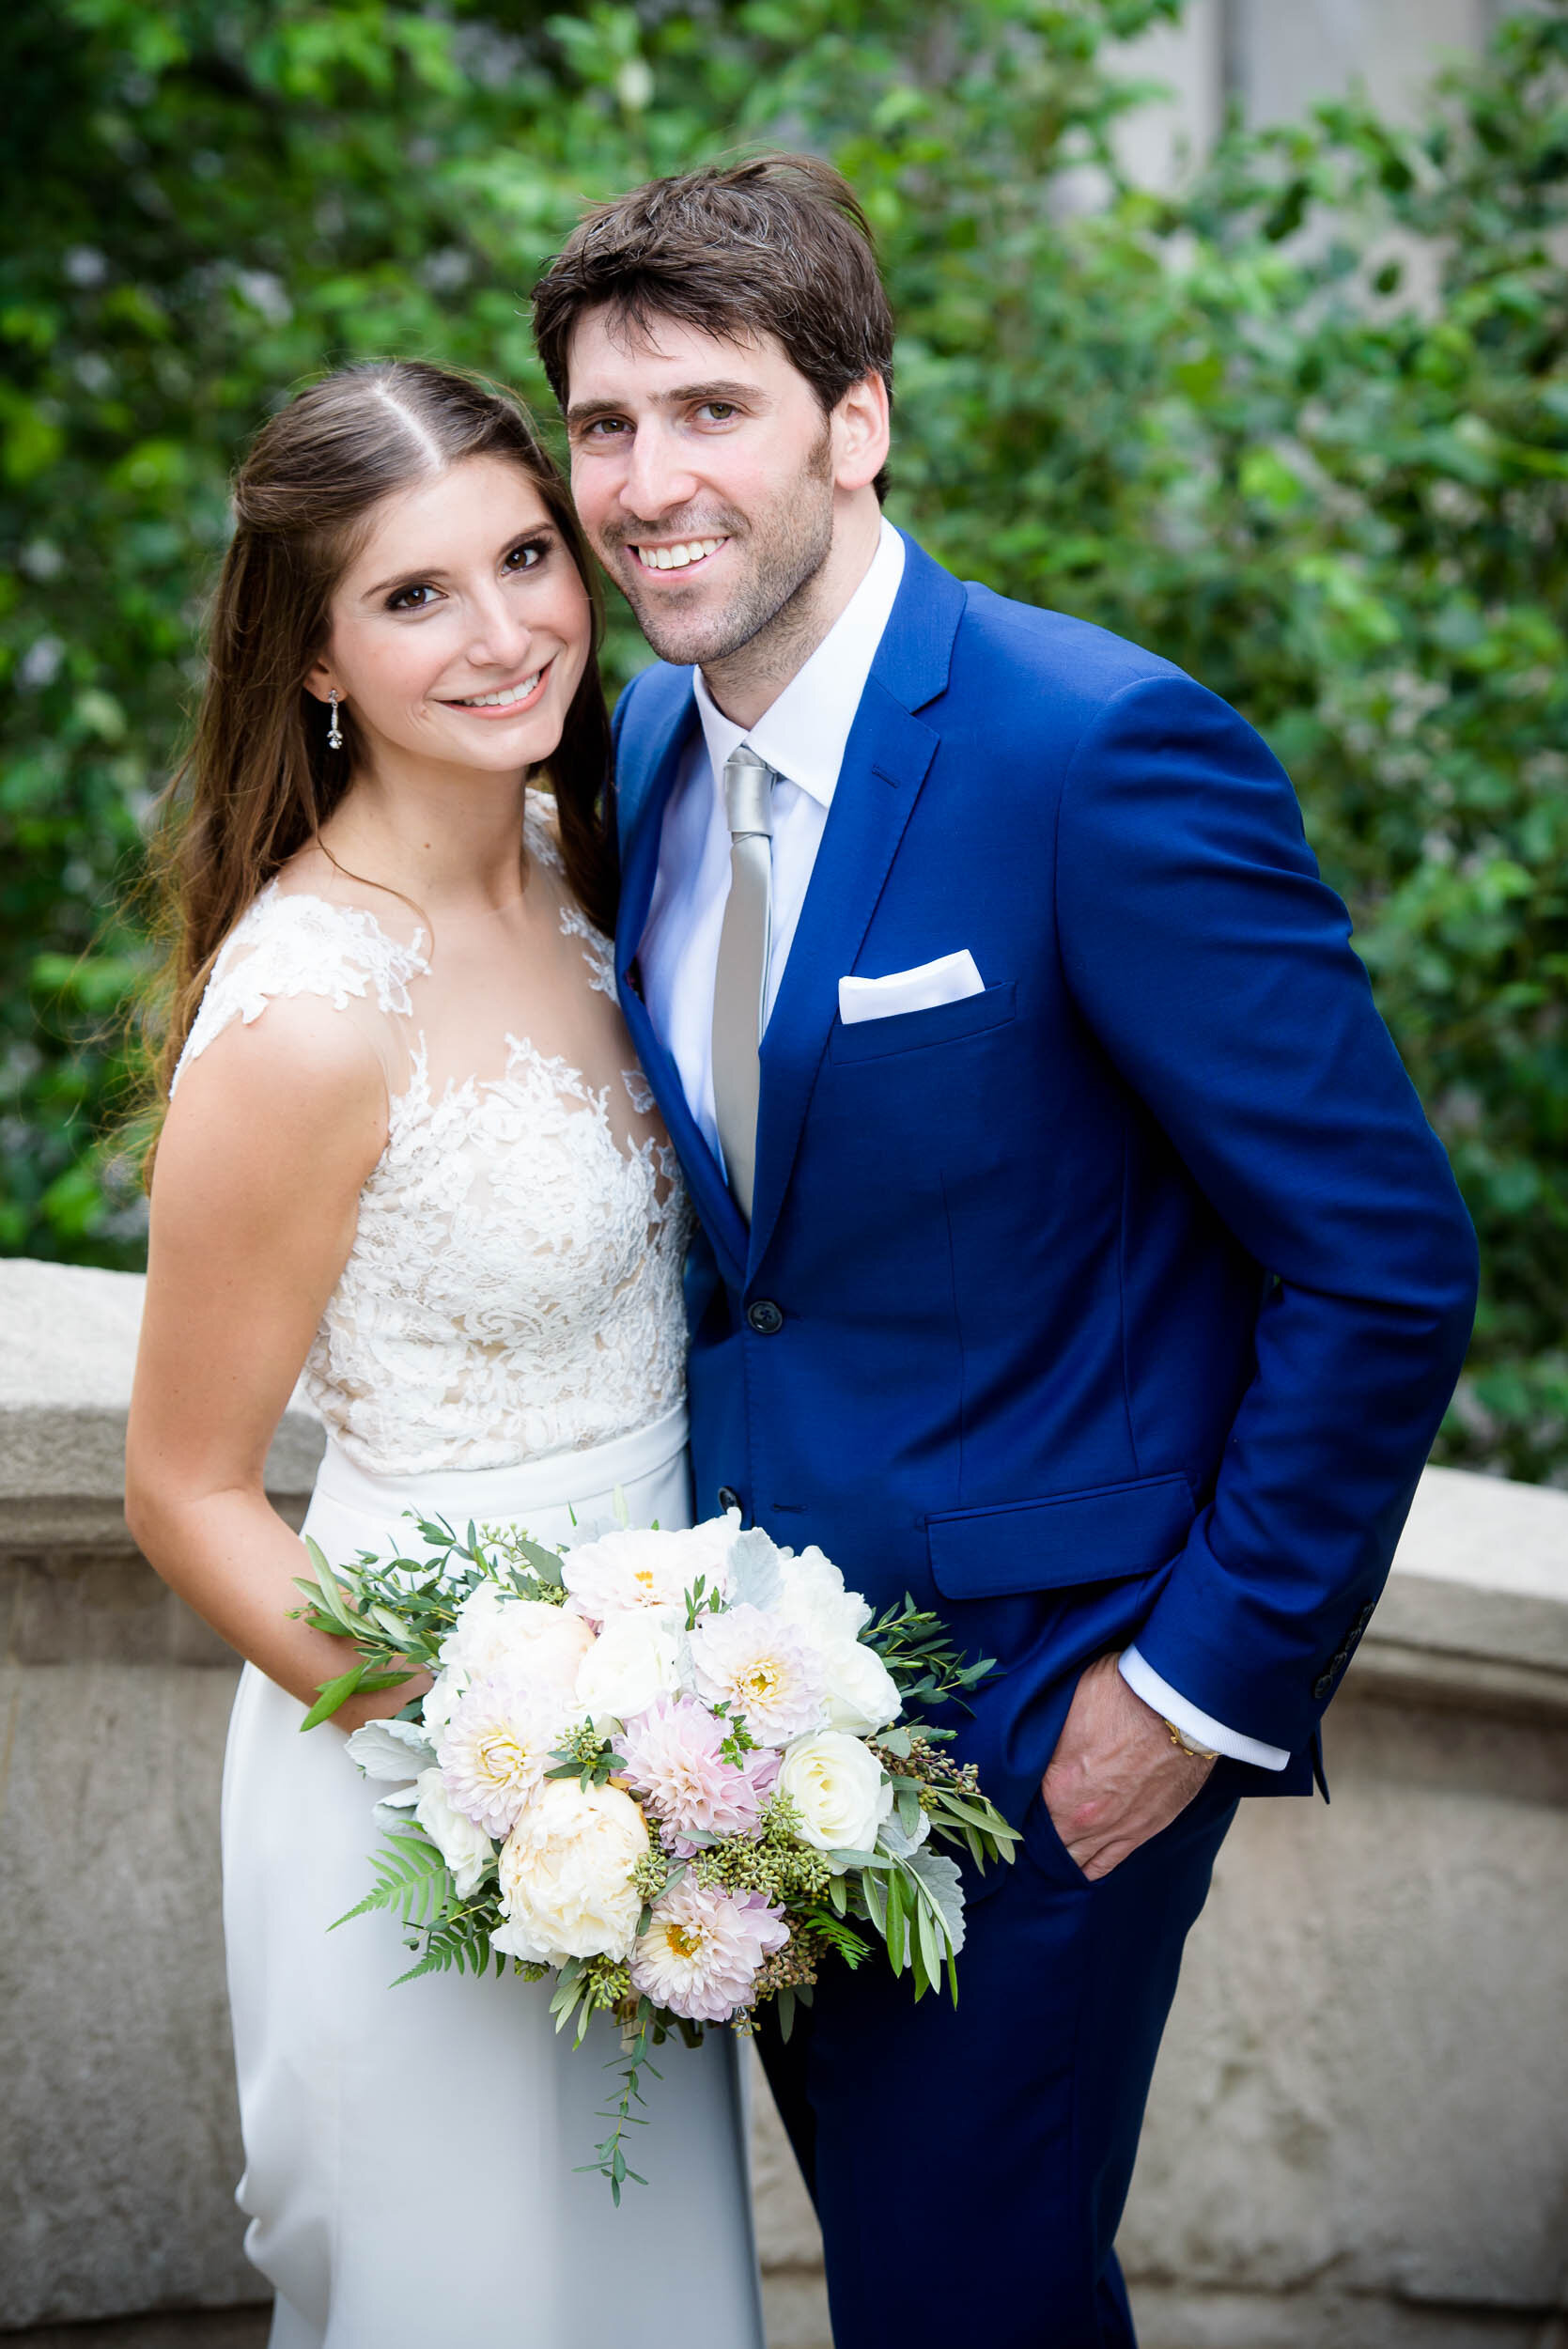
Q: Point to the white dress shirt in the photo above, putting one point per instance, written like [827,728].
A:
[802,736]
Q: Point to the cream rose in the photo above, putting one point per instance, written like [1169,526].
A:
[632,1663]
[566,1875]
[838,1788]
[466,1848]
[814,1598]
[861,1693]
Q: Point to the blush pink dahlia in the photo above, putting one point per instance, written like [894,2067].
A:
[673,1757]
[703,1948]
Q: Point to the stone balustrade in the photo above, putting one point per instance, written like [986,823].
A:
[1358,2133]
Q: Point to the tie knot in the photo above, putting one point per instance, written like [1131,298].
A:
[748,792]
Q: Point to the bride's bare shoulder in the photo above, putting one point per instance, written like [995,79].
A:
[314,875]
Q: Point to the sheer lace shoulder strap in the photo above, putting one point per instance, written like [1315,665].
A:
[541,834]
[301,945]
[542,839]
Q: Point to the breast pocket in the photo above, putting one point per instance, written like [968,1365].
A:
[1101,1536]
[911,1031]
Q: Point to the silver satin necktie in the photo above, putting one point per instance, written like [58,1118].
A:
[741,979]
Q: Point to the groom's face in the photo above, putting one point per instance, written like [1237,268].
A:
[705,472]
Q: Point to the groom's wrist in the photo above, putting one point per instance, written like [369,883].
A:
[1200,1730]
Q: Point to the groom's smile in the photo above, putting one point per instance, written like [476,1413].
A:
[679,557]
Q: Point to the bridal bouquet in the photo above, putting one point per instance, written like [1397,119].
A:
[675,1770]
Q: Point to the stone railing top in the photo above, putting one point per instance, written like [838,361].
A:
[67,1353]
[1479,1594]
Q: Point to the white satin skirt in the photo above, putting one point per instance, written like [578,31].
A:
[411,2154]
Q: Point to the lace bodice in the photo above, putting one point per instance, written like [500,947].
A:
[514,1288]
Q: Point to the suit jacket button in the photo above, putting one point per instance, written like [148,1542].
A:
[765,1317]
[728,1499]
[1321,1688]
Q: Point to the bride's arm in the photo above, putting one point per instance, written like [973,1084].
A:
[268,1142]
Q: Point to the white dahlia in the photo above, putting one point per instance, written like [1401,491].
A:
[495,1748]
[648,1568]
[761,1667]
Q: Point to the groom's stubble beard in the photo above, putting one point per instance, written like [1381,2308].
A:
[766,627]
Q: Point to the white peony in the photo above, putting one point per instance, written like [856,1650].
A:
[632,1569]
[466,1848]
[862,1695]
[763,1667]
[632,1663]
[494,1630]
[839,1790]
[566,1875]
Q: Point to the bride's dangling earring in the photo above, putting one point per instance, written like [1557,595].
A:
[334,732]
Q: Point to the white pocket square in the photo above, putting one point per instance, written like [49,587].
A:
[947,980]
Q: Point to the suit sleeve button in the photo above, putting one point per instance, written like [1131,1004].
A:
[1321,1688]
[765,1317]
[728,1499]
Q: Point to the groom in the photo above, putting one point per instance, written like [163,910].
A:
[1074,1254]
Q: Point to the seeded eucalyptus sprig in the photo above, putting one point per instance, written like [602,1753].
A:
[589,1758]
[927,1780]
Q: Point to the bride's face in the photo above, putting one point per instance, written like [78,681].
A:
[459,632]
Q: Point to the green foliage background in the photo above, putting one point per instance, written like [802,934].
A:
[1305,432]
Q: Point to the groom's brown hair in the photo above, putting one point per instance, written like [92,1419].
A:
[777,245]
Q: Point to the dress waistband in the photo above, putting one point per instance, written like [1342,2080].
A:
[489,1495]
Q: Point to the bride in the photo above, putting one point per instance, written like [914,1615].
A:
[407,1150]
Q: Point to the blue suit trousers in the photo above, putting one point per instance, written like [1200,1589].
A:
[969,2165]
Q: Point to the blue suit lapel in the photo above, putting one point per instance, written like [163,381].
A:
[885,764]
[646,772]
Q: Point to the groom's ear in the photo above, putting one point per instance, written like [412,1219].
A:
[861,433]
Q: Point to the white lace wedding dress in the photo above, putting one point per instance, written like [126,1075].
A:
[505,1343]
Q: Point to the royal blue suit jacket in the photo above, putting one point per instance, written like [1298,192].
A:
[1123,1299]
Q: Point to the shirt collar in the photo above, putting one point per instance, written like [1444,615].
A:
[804,733]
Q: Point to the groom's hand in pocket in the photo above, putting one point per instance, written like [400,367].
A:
[1115,1777]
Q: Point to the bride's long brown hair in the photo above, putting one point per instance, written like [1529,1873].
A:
[260,779]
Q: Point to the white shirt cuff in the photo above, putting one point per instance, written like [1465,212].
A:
[1197,1728]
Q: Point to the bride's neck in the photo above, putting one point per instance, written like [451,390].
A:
[452,843]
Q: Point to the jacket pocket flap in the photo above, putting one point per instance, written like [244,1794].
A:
[1074,1537]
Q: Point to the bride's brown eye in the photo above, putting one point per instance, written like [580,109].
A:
[403,600]
[528,557]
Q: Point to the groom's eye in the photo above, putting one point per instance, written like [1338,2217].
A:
[719,411]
